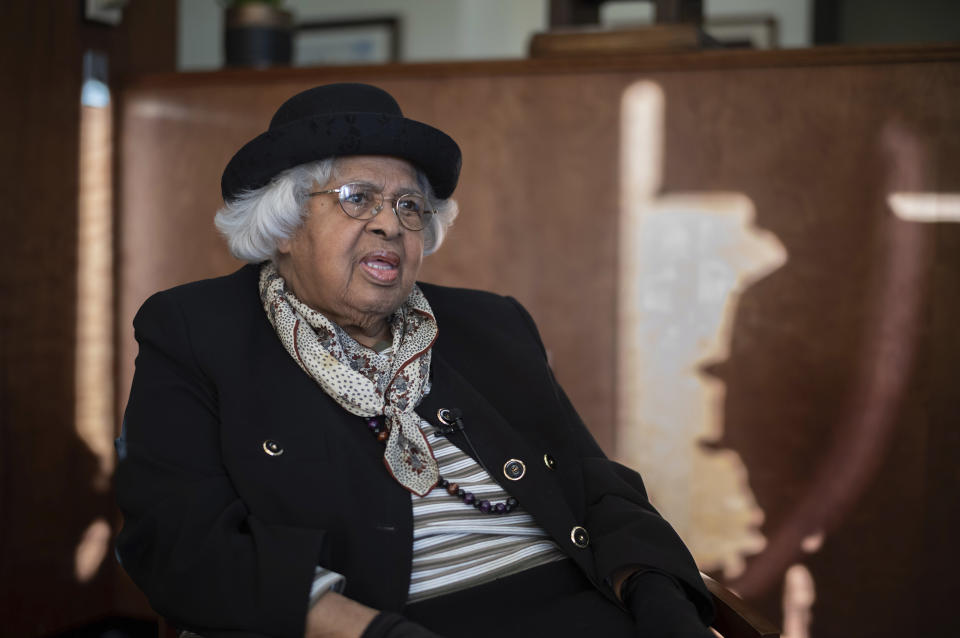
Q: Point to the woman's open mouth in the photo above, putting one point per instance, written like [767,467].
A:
[382,265]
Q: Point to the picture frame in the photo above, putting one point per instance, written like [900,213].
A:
[751,31]
[369,40]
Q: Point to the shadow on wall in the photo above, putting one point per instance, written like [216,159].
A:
[685,258]
[714,392]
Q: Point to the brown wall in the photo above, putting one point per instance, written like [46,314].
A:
[840,393]
[47,499]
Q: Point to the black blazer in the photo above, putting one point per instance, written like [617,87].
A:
[222,535]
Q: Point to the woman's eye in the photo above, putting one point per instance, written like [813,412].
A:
[358,197]
[410,206]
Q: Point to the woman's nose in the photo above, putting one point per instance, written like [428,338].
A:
[385,221]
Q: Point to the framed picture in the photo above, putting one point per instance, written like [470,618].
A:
[755,31]
[374,40]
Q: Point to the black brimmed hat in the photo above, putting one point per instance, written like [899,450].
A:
[338,120]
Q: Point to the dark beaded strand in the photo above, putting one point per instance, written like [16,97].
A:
[377,428]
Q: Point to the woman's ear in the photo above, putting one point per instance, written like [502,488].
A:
[283,246]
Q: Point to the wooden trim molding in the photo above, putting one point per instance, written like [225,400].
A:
[673,61]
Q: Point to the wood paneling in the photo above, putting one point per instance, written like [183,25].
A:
[805,136]
[647,63]
[838,356]
[47,499]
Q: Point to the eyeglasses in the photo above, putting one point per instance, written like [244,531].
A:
[364,201]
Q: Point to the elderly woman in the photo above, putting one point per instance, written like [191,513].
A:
[318,445]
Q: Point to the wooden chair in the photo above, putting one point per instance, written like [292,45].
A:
[735,619]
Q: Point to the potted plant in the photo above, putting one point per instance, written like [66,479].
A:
[258,33]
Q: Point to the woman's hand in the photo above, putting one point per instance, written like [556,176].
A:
[336,616]
[392,625]
[659,606]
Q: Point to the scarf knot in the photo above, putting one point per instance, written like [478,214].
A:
[361,381]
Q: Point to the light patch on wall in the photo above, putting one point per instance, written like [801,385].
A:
[800,592]
[812,543]
[94,328]
[149,109]
[685,258]
[91,550]
[799,595]
[925,207]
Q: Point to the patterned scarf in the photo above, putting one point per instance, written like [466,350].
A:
[362,382]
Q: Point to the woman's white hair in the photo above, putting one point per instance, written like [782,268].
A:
[256,220]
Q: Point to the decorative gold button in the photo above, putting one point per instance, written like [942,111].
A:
[550,462]
[272,448]
[445,416]
[514,469]
[580,537]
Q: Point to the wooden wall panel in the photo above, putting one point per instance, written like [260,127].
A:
[519,221]
[47,494]
[837,356]
[839,403]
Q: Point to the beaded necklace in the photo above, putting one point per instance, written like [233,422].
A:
[376,426]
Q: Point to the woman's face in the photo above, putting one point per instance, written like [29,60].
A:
[355,272]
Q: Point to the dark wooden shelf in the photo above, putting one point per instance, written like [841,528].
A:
[648,62]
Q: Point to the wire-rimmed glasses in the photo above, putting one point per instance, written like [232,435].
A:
[364,201]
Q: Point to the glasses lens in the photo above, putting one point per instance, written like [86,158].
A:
[412,211]
[360,201]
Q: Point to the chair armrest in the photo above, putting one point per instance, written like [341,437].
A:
[734,618]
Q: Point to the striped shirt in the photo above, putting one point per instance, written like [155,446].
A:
[456,546]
